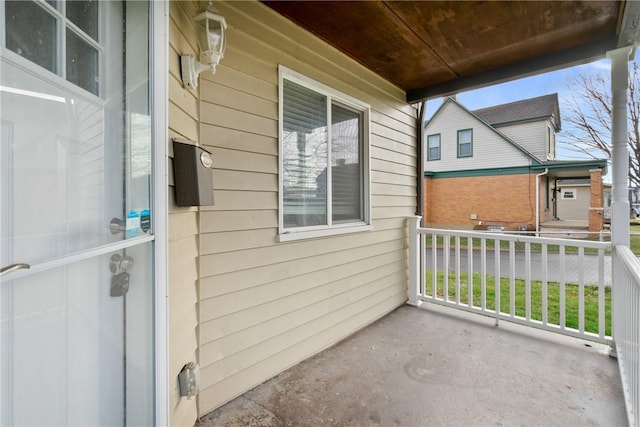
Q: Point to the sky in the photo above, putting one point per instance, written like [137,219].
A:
[530,87]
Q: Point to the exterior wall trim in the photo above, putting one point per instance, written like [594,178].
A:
[480,172]
[534,168]
[586,166]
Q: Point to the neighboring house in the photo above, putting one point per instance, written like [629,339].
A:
[497,167]
[574,199]
[110,288]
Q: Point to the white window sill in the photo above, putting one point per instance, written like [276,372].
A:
[288,236]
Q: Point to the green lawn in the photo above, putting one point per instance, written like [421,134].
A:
[553,299]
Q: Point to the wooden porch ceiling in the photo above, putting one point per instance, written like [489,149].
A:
[436,48]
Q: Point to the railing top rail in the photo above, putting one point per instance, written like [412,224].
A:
[630,260]
[516,238]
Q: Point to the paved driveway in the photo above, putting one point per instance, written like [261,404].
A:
[554,271]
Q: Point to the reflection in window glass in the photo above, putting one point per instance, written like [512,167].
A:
[346,175]
[304,156]
[31,33]
[82,63]
[85,15]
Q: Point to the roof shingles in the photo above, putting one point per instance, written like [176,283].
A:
[528,109]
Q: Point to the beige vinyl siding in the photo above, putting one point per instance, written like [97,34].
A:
[490,149]
[265,306]
[532,136]
[183,223]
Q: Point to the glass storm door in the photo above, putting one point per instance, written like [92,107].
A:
[76,246]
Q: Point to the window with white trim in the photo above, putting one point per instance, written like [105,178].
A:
[62,37]
[324,159]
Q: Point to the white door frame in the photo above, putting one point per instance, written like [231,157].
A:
[160,96]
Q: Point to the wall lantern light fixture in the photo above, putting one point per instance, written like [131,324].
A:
[210,28]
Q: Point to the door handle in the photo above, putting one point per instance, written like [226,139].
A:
[13,267]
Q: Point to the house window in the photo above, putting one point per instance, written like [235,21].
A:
[433,147]
[465,143]
[324,159]
[61,37]
[569,194]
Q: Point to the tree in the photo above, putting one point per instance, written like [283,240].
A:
[587,118]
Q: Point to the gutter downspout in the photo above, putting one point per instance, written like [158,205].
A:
[420,159]
[546,171]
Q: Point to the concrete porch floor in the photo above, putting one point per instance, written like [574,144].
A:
[436,366]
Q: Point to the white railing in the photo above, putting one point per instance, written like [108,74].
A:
[560,285]
[626,270]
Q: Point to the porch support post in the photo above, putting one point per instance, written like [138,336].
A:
[619,154]
[596,211]
[414,261]
[619,171]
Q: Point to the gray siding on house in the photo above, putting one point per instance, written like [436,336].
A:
[532,136]
[263,306]
[490,149]
[575,209]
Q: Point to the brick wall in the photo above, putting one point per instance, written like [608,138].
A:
[506,200]
[596,211]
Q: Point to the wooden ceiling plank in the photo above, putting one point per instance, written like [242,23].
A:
[430,48]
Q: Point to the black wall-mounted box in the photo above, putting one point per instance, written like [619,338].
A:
[192,174]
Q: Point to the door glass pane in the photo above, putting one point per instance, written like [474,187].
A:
[138,123]
[56,194]
[305,156]
[346,164]
[85,15]
[82,63]
[31,33]
[71,351]
[79,165]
